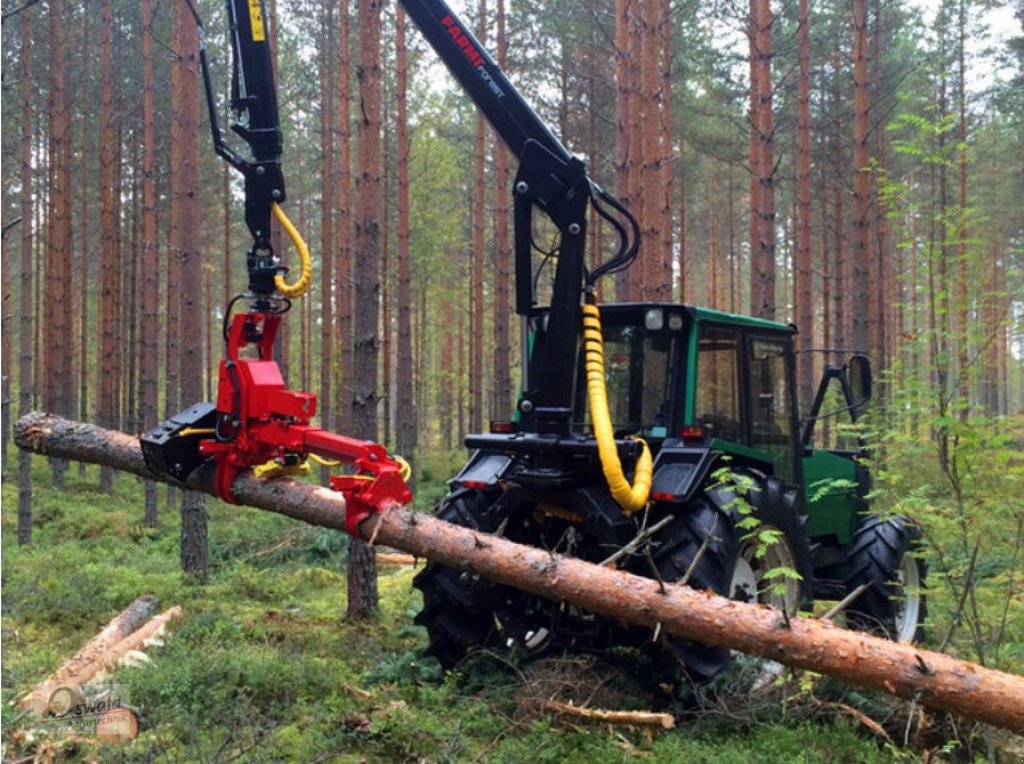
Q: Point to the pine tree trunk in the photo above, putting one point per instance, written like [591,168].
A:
[26,277]
[345,266]
[405,410]
[194,561]
[503,385]
[862,253]
[962,296]
[362,569]
[149,352]
[622,136]
[57,376]
[652,192]
[479,195]
[762,163]
[327,198]
[803,288]
[86,329]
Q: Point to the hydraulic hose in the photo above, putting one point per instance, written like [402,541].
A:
[629,497]
[300,287]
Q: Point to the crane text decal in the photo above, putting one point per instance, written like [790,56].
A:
[476,58]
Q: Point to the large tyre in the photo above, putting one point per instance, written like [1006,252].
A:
[458,606]
[882,557]
[777,541]
[679,543]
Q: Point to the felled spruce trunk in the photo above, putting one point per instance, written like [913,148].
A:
[936,680]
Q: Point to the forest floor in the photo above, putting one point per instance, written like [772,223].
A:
[263,666]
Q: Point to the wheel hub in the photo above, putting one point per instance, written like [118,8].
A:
[908,599]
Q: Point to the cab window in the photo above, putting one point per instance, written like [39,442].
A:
[718,391]
[771,402]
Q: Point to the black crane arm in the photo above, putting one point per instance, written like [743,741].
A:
[257,122]
[551,178]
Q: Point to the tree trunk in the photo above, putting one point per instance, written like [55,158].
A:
[345,270]
[362,571]
[503,385]
[57,377]
[194,562]
[26,377]
[862,318]
[405,410]
[803,289]
[148,350]
[762,162]
[327,197]
[935,680]
[479,196]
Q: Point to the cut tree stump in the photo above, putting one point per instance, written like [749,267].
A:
[84,665]
[933,679]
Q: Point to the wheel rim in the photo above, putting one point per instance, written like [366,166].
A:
[748,579]
[907,601]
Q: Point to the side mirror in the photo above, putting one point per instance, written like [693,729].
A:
[858,373]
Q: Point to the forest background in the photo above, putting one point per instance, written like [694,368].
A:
[856,168]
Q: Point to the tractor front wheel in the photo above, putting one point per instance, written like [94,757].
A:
[883,557]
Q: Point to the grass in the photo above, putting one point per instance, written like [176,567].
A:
[264,667]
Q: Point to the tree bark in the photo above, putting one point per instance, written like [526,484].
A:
[802,278]
[362,571]
[26,278]
[862,317]
[405,410]
[479,195]
[56,380]
[194,557]
[327,200]
[762,162]
[934,680]
[503,384]
[150,309]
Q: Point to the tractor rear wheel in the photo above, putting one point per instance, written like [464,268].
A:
[458,606]
[703,530]
[883,557]
[737,563]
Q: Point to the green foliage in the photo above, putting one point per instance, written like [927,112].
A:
[741,485]
[961,479]
[263,668]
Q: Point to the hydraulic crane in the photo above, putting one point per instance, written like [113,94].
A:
[256,421]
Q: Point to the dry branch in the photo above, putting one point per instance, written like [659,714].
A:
[395,560]
[607,716]
[936,680]
[86,662]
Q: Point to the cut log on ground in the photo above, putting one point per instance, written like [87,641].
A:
[933,679]
[140,639]
[88,661]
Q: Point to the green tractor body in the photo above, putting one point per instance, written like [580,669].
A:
[747,507]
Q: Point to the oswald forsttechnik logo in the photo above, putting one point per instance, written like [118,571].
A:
[102,712]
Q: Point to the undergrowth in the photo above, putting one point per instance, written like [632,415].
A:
[263,666]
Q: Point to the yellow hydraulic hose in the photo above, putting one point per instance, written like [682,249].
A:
[300,287]
[629,497]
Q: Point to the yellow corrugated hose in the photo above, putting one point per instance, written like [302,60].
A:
[300,287]
[629,497]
